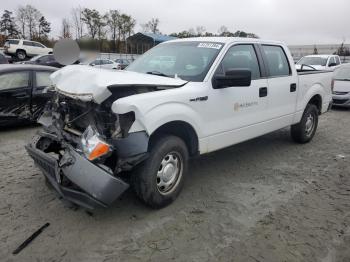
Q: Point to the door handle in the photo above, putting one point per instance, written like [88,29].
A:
[293,87]
[262,91]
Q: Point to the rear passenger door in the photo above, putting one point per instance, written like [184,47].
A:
[29,48]
[15,92]
[282,86]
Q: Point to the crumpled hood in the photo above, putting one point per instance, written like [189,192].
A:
[90,84]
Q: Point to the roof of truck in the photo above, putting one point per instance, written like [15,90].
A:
[226,40]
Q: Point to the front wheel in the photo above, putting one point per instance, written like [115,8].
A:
[21,55]
[304,131]
[159,180]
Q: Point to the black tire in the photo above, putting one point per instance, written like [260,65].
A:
[21,54]
[146,178]
[302,132]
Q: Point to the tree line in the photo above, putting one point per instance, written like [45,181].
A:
[92,29]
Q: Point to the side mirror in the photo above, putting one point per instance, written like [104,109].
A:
[232,77]
[332,64]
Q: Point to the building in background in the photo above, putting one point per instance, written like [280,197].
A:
[141,42]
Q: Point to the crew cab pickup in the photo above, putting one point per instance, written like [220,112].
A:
[104,130]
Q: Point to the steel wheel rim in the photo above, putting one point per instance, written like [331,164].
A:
[169,173]
[309,124]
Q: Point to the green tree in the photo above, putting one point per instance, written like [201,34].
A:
[151,26]
[91,17]
[7,25]
[44,28]
[113,23]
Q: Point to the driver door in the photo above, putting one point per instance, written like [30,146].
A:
[235,113]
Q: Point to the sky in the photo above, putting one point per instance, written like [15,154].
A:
[292,21]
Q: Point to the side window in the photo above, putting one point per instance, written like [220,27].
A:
[28,43]
[242,57]
[107,62]
[14,42]
[14,80]
[96,62]
[37,44]
[277,61]
[337,60]
[331,61]
[43,78]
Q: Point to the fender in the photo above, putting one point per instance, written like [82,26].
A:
[316,89]
[159,115]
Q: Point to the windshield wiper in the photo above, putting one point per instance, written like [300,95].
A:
[157,73]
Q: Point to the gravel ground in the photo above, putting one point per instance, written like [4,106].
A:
[267,199]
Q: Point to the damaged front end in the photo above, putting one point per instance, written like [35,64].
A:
[84,150]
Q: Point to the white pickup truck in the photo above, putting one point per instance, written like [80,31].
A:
[105,130]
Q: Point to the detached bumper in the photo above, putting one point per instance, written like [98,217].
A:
[94,186]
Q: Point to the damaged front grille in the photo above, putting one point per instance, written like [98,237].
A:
[75,116]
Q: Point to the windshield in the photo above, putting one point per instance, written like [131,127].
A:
[342,74]
[188,60]
[313,61]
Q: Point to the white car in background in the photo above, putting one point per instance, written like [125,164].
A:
[25,48]
[103,63]
[341,86]
[318,62]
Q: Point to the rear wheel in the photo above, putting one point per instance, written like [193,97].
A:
[21,54]
[159,180]
[304,131]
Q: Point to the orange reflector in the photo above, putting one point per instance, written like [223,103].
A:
[100,150]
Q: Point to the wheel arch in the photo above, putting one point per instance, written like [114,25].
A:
[317,101]
[181,129]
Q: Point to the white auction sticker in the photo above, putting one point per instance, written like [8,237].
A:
[209,45]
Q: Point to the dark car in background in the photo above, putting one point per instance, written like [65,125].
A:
[23,92]
[46,60]
[123,62]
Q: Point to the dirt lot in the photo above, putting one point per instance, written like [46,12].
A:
[264,200]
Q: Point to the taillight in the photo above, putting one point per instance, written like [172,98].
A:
[332,85]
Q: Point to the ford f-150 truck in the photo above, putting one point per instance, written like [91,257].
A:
[104,131]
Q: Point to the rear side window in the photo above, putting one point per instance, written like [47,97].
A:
[337,60]
[241,57]
[277,61]
[13,42]
[28,43]
[37,44]
[14,80]
[43,79]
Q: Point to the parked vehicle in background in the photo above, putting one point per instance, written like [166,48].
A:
[104,129]
[319,62]
[25,48]
[341,86]
[123,62]
[47,60]
[22,92]
[102,63]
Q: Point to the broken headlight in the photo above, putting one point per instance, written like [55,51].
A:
[93,146]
